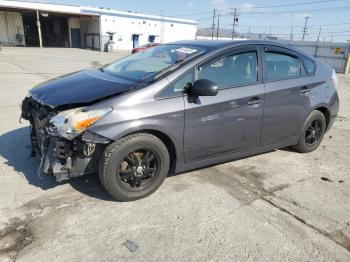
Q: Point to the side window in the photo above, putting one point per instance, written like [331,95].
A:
[309,65]
[231,70]
[177,87]
[281,66]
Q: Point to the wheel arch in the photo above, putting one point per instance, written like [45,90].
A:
[325,111]
[168,142]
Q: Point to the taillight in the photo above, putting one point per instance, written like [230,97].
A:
[334,79]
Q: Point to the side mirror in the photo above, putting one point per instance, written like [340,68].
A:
[203,87]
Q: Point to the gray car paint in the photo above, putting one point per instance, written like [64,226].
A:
[276,123]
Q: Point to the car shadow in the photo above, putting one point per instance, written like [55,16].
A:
[15,149]
[288,149]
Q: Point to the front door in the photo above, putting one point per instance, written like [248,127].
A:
[75,36]
[135,41]
[230,121]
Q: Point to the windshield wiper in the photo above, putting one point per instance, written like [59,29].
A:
[154,74]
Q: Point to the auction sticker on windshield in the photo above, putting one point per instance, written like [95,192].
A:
[186,50]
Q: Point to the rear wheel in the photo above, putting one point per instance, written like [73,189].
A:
[134,166]
[312,133]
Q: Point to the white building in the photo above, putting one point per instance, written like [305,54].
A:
[52,25]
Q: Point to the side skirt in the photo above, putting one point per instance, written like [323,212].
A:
[180,168]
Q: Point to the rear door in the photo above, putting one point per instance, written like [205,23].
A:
[230,121]
[286,95]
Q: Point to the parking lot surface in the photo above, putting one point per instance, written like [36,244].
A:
[278,206]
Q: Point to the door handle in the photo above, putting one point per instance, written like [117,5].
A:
[254,102]
[305,90]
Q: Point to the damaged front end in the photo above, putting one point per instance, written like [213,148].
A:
[61,139]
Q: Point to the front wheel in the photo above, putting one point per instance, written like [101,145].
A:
[312,132]
[133,167]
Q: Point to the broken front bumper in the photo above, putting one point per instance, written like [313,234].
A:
[61,157]
[65,159]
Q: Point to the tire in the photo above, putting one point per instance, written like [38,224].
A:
[304,144]
[117,166]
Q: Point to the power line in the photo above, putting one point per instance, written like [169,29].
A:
[338,8]
[311,35]
[289,26]
[261,7]
[204,18]
[192,14]
[294,4]
[315,34]
[335,9]
[338,32]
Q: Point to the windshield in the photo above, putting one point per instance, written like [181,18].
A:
[152,61]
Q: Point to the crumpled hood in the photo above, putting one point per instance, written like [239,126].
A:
[83,87]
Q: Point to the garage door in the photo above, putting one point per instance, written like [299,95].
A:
[11,28]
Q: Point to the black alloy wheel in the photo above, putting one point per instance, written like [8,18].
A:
[312,132]
[138,169]
[134,166]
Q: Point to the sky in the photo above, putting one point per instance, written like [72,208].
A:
[274,16]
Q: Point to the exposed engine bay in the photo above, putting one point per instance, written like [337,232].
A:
[64,152]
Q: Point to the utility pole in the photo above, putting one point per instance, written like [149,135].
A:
[39,28]
[318,39]
[218,28]
[319,34]
[305,27]
[235,19]
[331,38]
[213,25]
[249,33]
[291,34]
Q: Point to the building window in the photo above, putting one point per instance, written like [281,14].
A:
[151,38]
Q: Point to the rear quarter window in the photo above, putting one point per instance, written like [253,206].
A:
[309,65]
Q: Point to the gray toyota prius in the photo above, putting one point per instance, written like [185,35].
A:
[177,107]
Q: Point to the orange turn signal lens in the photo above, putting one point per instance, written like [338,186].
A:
[81,125]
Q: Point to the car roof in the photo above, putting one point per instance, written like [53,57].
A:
[212,44]
[217,44]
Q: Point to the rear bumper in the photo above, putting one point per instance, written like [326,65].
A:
[334,109]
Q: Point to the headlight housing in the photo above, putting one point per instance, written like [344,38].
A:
[73,122]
